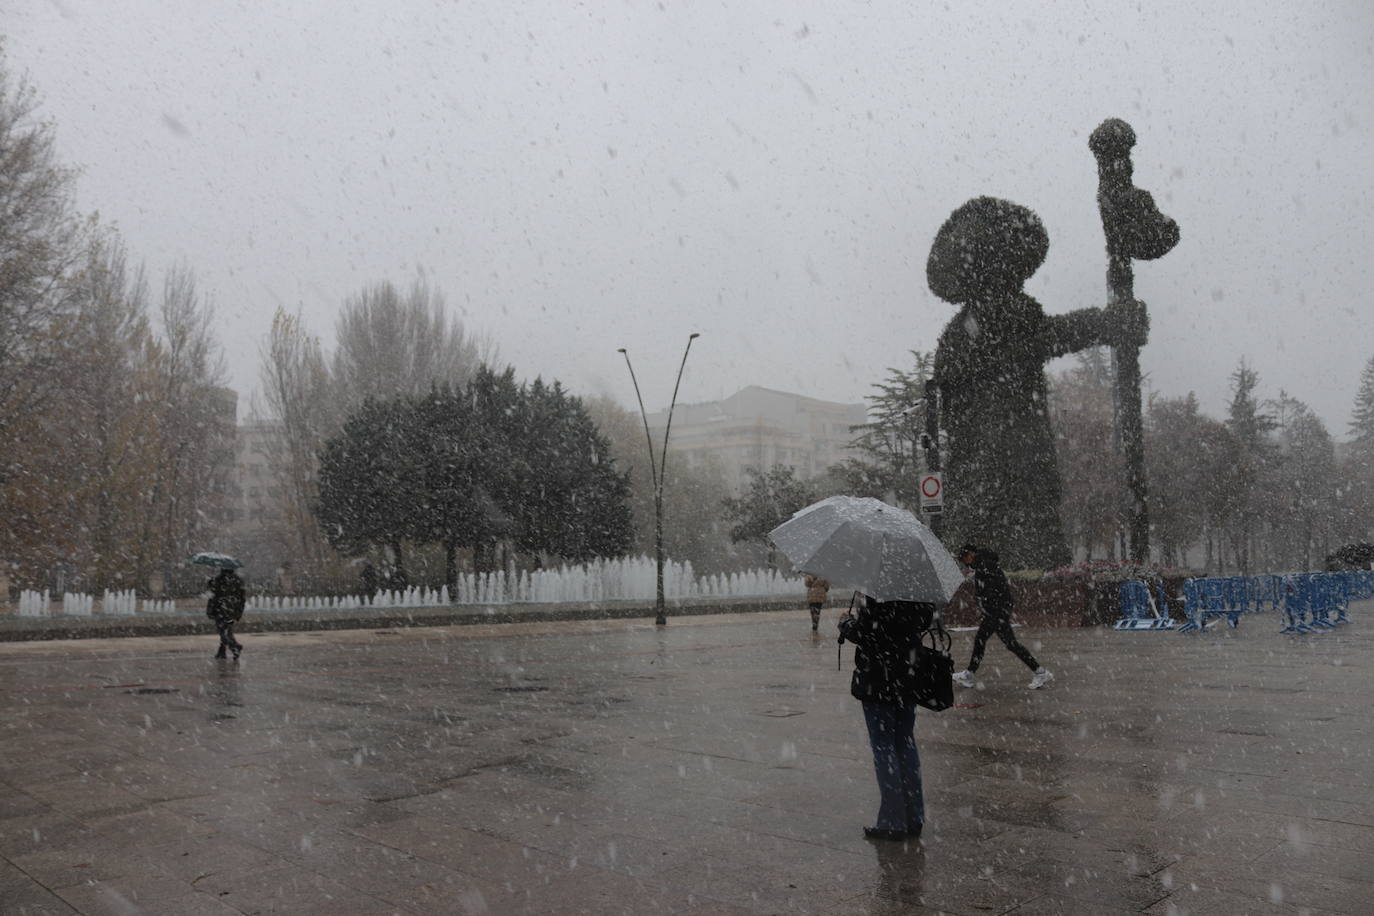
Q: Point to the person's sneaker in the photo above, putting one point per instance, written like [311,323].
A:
[964,678]
[1040,678]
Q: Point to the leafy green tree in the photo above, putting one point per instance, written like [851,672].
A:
[1249,426]
[1357,469]
[1301,487]
[1181,448]
[371,481]
[488,466]
[500,462]
[891,457]
[573,502]
[768,500]
[454,506]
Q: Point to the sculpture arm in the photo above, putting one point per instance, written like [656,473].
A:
[1121,324]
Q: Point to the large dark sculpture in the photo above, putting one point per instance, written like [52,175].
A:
[1001,484]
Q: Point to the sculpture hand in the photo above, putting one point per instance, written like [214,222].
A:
[1128,323]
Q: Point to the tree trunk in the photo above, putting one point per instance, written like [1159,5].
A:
[451,569]
[399,579]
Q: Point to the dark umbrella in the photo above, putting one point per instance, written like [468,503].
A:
[217,560]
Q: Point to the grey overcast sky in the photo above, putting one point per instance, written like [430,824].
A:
[581,177]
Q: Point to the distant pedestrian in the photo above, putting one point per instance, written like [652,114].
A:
[885,636]
[368,580]
[993,594]
[816,591]
[225,608]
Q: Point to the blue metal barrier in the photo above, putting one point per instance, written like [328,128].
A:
[1204,598]
[1336,596]
[1138,611]
[1297,601]
[1264,589]
[1238,594]
[1311,602]
[1217,597]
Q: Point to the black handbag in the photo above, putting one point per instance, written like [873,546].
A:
[932,676]
[929,680]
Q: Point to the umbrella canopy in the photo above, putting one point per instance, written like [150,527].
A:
[219,560]
[865,544]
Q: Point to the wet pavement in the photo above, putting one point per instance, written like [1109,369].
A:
[716,765]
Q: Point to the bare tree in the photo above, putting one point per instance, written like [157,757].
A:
[389,345]
[40,244]
[297,392]
[108,409]
[195,429]
[1089,466]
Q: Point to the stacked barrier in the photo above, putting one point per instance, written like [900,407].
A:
[1310,602]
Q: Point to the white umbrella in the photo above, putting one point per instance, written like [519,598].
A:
[865,544]
[220,560]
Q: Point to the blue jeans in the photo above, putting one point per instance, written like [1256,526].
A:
[897,765]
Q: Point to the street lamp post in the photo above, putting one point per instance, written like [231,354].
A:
[657,471]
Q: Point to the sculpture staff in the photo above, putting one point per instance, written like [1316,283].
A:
[1135,230]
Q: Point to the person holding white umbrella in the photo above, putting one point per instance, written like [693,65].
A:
[887,637]
[906,576]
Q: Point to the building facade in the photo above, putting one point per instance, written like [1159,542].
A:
[758,428]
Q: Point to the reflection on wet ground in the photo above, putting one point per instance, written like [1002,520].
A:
[716,765]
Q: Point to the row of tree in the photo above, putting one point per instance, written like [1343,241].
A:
[115,435]
[1266,487]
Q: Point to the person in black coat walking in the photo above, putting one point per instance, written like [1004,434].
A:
[225,608]
[993,593]
[885,636]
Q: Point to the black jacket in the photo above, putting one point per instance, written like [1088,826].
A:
[885,636]
[990,585]
[227,597]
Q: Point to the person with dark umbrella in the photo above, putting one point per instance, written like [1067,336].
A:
[993,593]
[225,608]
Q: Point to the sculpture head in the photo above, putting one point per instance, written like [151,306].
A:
[987,248]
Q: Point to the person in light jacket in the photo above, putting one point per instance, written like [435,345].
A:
[816,591]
